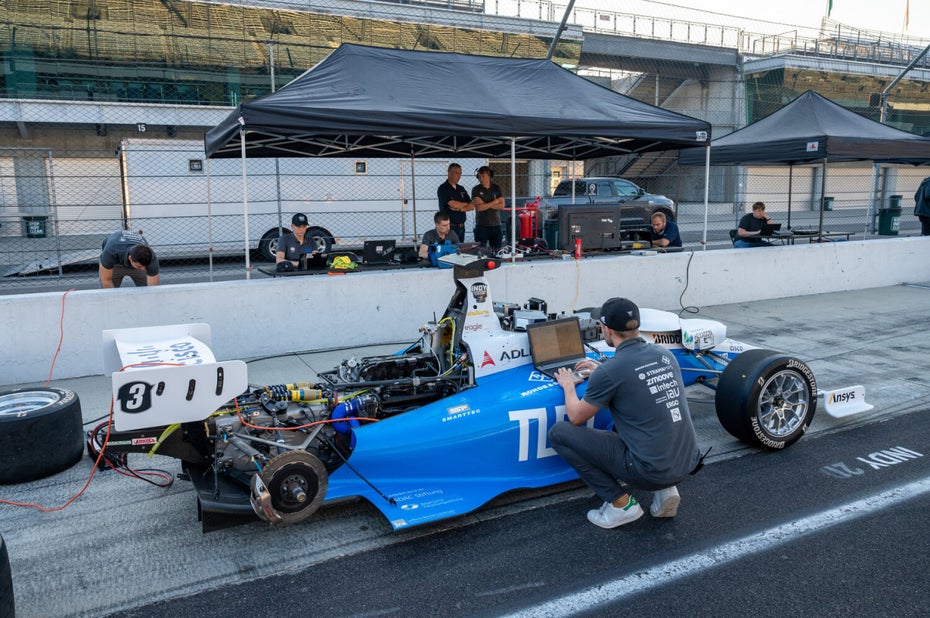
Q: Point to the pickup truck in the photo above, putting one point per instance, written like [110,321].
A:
[637,205]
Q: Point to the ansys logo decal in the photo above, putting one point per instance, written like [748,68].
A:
[487,360]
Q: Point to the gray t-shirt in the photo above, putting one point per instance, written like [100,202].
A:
[643,388]
[431,237]
[293,249]
[116,251]
[490,217]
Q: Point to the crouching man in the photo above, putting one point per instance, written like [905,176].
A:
[652,446]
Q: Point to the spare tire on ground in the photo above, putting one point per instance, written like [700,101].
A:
[41,433]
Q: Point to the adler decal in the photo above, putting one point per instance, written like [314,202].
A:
[514,355]
[487,360]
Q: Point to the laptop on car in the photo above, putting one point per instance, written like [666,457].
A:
[378,251]
[555,344]
[769,228]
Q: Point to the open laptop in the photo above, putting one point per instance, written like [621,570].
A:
[378,251]
[555,344]
[769,228]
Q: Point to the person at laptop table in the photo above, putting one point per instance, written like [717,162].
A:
[664,233]
[653,445]
[291,247]
[442,233]
[750,228]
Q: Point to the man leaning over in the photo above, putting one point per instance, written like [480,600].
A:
[127,254]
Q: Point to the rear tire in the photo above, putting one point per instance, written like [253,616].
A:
[41,433]
[766,399]
[268,245]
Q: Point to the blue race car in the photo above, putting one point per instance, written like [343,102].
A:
[434,431]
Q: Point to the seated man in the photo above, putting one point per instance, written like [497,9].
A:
[664,232]
[442,233]
[293,246]
[749,232]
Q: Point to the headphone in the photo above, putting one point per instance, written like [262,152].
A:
[484,168]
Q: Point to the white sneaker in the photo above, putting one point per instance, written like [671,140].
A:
[609,516]
[665,502]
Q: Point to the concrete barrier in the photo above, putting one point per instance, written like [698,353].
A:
[265,316]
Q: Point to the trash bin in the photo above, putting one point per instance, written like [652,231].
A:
[889,219]
[551,233]
[34,227]
[828,202]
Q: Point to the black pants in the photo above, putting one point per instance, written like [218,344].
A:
[489,236]
[924,225]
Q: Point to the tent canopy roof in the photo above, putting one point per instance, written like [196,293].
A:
[811,129]
[373,102]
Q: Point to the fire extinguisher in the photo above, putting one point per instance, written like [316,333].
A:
[526,227]
[577,248]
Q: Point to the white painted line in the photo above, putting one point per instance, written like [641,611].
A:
[663,574]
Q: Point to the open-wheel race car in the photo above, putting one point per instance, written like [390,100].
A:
[436,430]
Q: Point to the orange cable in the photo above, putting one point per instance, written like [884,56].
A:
[103,448]
[61,335]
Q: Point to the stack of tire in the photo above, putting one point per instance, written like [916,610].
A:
[41,433]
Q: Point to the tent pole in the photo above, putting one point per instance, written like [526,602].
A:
[706,192]
[513,200]
[413,189]
[870,211]
[245,203]
[209,223]
[823,192]
[558,32]
[790,178]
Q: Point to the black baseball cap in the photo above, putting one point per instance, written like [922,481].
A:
[299,219]
[619,314]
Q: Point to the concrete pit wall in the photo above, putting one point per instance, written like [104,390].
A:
[267,316]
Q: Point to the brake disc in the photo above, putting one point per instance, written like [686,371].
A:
[290,488]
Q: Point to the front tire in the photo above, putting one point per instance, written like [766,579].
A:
[41,433]
[320,239]
[766,399]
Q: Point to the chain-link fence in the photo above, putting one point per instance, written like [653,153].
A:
[112,98]
[58,210]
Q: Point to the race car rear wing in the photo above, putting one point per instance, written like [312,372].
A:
[167,374]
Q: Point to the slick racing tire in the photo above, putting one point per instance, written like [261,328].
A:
[766,399]
[7,608]
[40,433]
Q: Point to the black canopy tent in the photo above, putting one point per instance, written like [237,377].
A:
[812,129]
[373,102]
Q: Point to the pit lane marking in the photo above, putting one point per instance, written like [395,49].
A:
[663,574]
